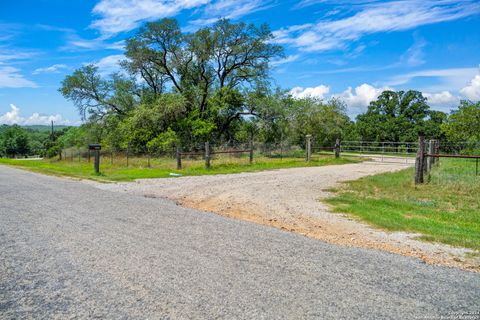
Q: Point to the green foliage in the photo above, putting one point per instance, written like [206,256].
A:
[95,97]
[464,124]
[164,142]
[394,116]
[213,85]
[14,141]
[54,151]
[207,73]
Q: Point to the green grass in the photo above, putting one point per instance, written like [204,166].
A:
[447,209]
[162,167]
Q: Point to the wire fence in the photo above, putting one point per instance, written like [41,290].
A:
[447,162]
[189,156]
[451,161]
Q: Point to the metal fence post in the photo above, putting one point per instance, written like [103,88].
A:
[207,155]
[308,147]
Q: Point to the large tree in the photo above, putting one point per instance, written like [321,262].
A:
[394,117]
[96,97]
[198,64]
[212,70]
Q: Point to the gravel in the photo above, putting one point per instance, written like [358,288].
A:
[291,199]
[70,250]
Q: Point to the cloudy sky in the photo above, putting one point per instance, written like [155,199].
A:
[352,49]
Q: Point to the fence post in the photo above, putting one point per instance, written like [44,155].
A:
[308,147]
[419,160]
[78,155]
[128,150]
[430,160]
[88,155]
[250,154]
[111,156]
[179,159]
[207,155]
[337,148]
[437,151]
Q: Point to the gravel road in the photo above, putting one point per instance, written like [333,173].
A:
[70,250]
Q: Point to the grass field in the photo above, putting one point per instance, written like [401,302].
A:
[447,209]
[138,168]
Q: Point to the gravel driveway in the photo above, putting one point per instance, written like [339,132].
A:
[290,199]
[70,250]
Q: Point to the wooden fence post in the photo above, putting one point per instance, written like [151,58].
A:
[179,159]
[308,147]
[437,150]
[419,161]
[430,160]
[250,154]
[128,150]
[337,148]
[207,155]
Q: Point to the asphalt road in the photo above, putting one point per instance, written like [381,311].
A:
[70,250]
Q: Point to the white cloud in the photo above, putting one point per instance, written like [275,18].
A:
[56,68]
[288,59]
[356,99]
[374,17]
[11,77]
[443,99]
[76,43]
[472,91]
[361,96]
[453,78]
[229,9]
[414,55]
[124,15]
[109,64]
[319,92]
[14,117]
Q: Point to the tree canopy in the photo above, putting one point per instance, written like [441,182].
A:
[182,89]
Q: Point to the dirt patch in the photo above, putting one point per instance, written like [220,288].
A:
[290,199]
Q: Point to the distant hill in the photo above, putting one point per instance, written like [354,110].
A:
[43,128]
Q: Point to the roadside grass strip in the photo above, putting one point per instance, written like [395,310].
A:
[443,210]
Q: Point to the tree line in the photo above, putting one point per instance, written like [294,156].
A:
[182,89]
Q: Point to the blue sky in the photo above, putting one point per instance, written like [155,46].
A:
[347,49]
